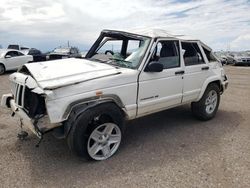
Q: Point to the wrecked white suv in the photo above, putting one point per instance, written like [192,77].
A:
[125,75]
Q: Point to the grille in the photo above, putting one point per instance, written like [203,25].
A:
[18,91]
[246,60]
[32,103]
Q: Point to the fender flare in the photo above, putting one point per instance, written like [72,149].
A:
[206,83]
[76,108]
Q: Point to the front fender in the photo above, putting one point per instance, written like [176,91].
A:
[92,101]
[77,110]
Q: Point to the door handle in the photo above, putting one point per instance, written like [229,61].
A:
[205,68]
[179,72]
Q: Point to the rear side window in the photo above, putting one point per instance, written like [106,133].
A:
[20,54]
[15,47]
[34,52]
[209,54]
[192,54]
[167,53]
[12,53]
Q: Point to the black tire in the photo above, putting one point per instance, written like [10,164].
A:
[86,122]
[2,69]
[199,108]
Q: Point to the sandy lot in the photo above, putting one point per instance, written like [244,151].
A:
[167,149]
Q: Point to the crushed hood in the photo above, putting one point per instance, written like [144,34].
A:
[63,72]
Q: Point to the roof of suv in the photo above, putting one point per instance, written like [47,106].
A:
[154,33]
[158,33]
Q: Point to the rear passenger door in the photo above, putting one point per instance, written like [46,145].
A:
[161,90]
[196,70]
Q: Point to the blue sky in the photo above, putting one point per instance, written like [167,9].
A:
[45,24]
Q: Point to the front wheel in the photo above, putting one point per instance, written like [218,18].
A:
[104,141]
[207,106]
[97,132]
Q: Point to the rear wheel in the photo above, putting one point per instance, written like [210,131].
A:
[207,106]
[2,69]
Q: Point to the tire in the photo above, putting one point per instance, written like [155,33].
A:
[2,69]
[206,108]
[93,133]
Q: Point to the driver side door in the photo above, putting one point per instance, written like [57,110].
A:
[162,90]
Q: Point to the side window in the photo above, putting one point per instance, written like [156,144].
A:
[167,53]
[12,53]
[209,54]
[192,54]
[20,54]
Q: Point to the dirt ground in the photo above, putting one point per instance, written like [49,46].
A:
[167,149]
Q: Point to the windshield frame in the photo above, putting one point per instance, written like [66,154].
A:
[109,33]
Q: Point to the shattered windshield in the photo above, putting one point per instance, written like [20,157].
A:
[121,51]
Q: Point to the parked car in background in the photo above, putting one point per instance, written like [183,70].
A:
[63,52]
[124,75]
[12,59]
[37,54]
[230,58]
[17,47]
[241,58]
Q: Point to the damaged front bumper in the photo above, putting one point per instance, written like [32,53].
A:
[8,102]
[38,126]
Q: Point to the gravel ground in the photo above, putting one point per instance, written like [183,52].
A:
[167,149]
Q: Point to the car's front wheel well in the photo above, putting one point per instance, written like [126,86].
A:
[78,110]
[4,69]
[218,83]
[2,65]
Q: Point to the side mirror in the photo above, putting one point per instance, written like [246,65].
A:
[154,66]
[7,56]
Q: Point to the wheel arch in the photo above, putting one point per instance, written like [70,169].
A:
[3,65]
[212,80]
[76,108]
